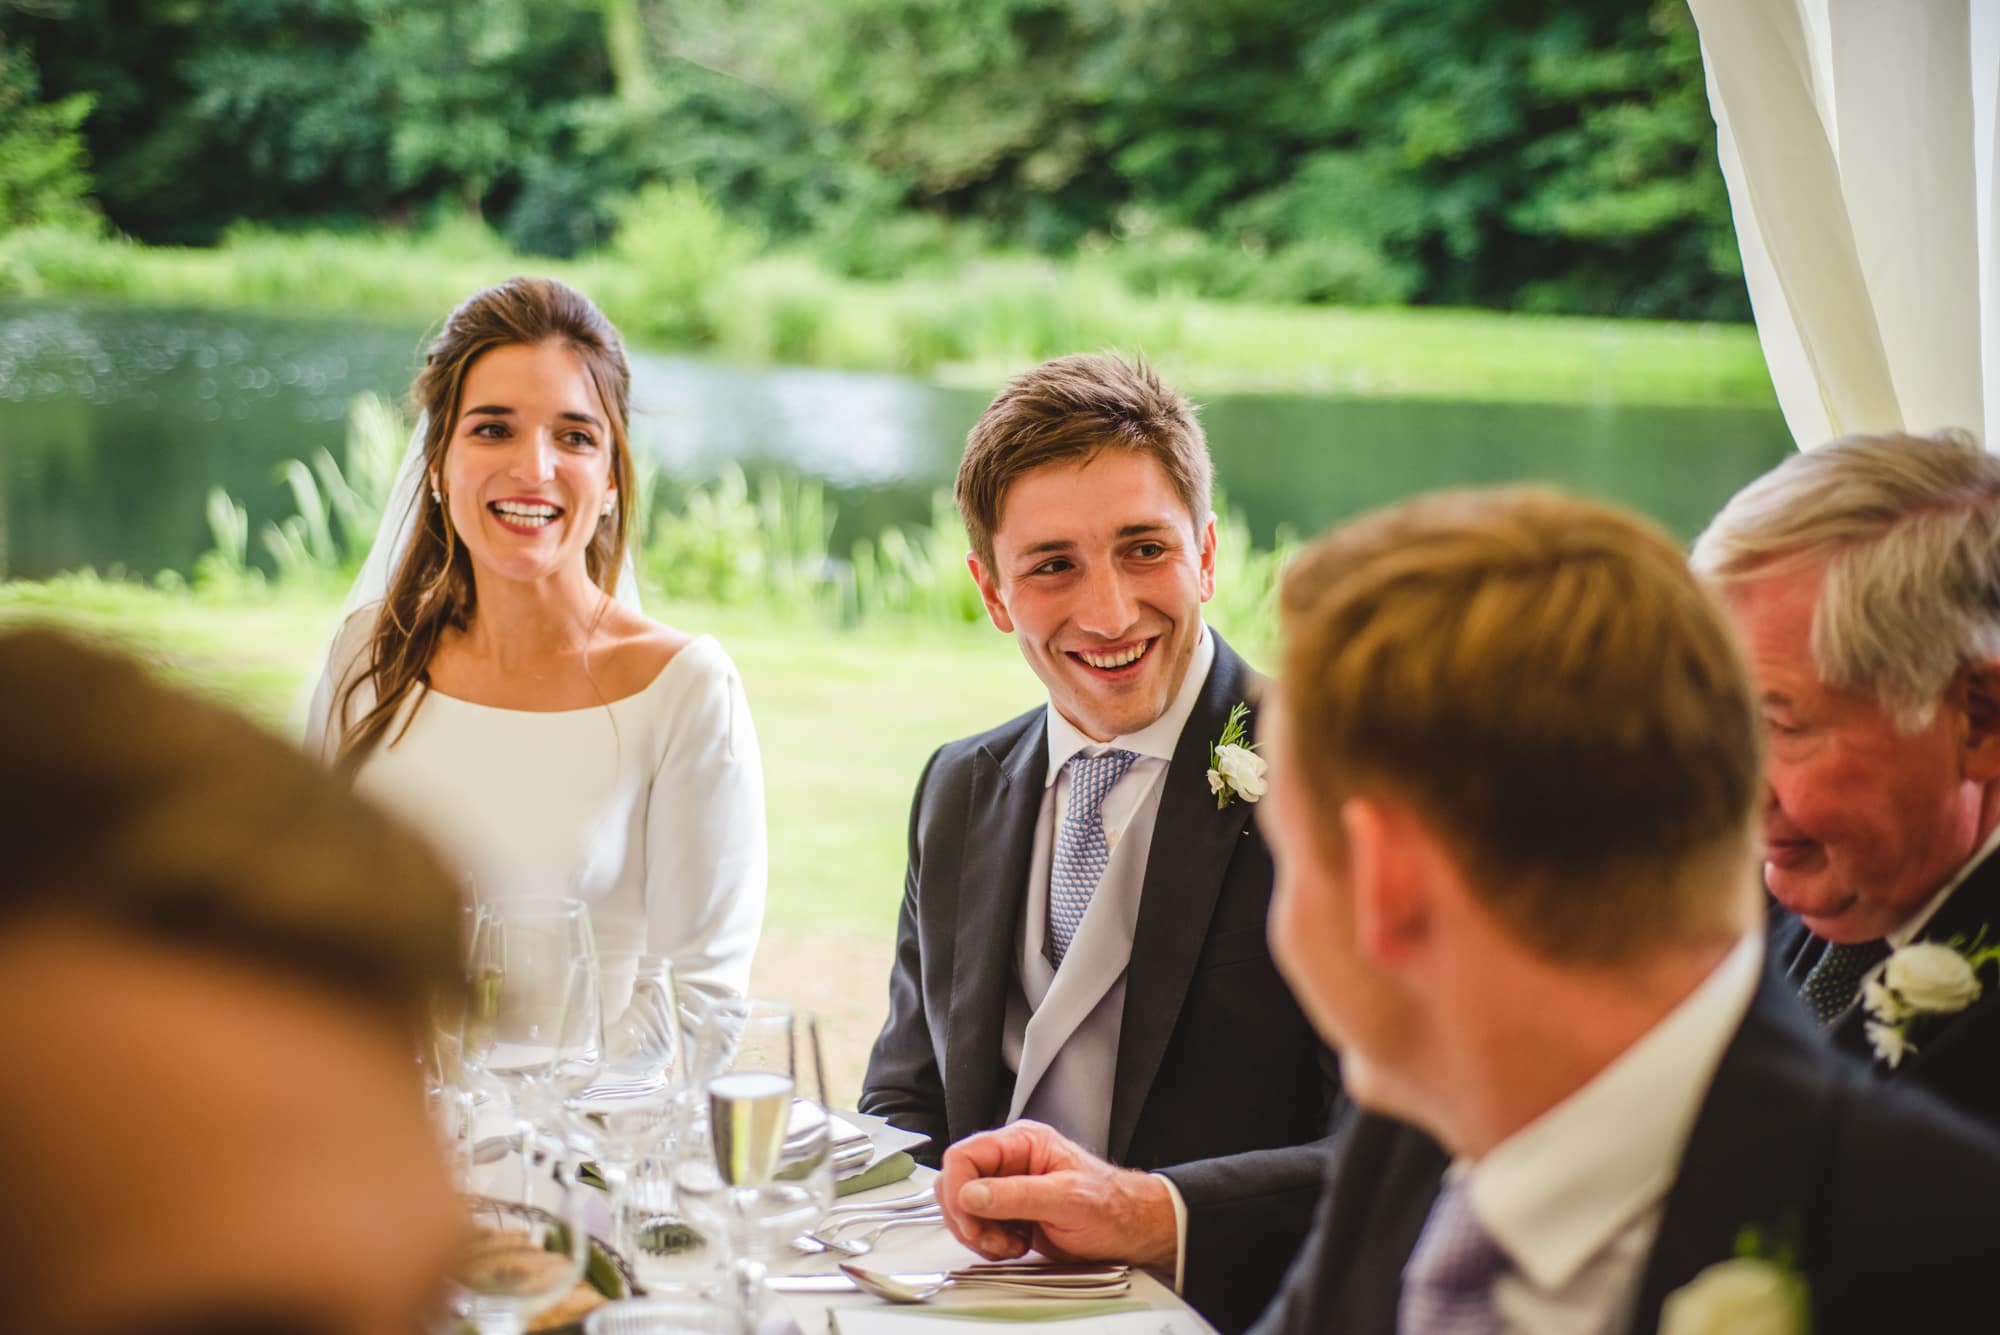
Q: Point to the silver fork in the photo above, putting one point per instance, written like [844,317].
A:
[864,1242]
[808,1243]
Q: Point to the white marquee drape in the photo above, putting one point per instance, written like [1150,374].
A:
[1857,141]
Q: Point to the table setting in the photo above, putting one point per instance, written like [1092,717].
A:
[638,1160]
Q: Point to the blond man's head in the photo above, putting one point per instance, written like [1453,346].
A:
[1544,685]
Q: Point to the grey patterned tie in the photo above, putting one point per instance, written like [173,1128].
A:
[1836,976]
[1082,852]
[1448,1280]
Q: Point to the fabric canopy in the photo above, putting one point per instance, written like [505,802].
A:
[1857,141]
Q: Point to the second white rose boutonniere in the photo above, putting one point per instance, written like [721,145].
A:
[1922,978]
[1746,1295]
[1759,1291]
[1235,769]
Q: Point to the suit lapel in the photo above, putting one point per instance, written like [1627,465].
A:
[1753,1157]
[1383,1177]
[1190,852]
[993,876]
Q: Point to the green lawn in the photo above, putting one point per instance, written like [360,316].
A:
[846,719]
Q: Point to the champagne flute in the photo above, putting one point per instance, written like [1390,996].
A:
[758,1163]
[532,1026]
[633,1104]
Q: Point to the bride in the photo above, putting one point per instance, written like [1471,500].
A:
[505,694]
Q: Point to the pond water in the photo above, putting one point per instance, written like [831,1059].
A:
[116,420]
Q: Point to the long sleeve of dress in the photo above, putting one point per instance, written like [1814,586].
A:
[707,860]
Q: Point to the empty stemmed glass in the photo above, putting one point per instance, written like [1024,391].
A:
[532,1026]
[630,1109]
[756,1165]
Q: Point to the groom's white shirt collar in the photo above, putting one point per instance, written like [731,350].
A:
[1157,739]
[1594,1170]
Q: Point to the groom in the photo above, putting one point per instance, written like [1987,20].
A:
[1082,935]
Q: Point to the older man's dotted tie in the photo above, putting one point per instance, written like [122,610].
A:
[1836,976]
[1082,853]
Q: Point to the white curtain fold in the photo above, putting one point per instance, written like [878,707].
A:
[1857,141]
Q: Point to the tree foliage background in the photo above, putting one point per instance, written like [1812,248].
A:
[1541,155]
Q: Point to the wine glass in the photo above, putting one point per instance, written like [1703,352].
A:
[757,1165]
[532,1026]
[453,1096]
[518,1259]
[630,1109]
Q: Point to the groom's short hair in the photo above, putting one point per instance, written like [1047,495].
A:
[1064,412]
[1543,681]
[132,807]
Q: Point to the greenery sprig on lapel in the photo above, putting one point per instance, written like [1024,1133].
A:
[1235,769]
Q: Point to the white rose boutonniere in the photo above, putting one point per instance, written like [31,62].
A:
[1745,1295]
[1234,768]
[1932,979]
[1922,978]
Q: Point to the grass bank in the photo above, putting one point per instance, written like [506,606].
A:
[685,282]
[845,719]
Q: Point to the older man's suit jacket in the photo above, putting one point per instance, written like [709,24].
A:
[1888,1199]
[1220,1081]
[1957,1056]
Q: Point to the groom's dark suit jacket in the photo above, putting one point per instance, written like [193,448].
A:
[1889,1199]
[1220,1080]
[1957,1056]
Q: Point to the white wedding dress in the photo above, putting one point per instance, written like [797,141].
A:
[650,809]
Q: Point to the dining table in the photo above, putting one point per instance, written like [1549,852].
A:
[811,1308]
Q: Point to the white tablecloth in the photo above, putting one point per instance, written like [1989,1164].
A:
[919,1248]
[916,1248]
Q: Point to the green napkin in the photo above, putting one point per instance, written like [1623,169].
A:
[1057,1309]
[600,1271]
[892,1169]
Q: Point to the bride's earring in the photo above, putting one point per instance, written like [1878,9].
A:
[610,501]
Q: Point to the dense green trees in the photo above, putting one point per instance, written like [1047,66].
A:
[44,172]
[1525,154]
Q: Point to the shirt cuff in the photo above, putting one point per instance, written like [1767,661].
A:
[1180,1230]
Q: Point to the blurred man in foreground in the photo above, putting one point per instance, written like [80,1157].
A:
[213,963]
[1865,578]
[1514,765]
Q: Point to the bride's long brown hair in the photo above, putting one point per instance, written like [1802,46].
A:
[432,590]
